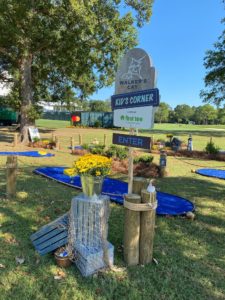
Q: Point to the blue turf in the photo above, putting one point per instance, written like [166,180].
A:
[26,153]
[212,173]
[167,204]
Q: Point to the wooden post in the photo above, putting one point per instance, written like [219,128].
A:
[80,139]
[151,143]
[131,232]
[57,142]
[105,139]
[130,170]
[72,144]
[15,139]
[147,228]
[139,183]
[162,164]
[53,137]
[130,166]
[11,172]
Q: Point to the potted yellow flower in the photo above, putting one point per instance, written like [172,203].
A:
[92,168]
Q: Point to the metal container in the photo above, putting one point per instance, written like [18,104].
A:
[91,185]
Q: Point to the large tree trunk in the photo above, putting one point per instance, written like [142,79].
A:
[26,95]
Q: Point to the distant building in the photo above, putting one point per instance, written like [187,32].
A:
[57,107]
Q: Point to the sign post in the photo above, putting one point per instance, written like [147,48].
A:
[135,101]
[134,105]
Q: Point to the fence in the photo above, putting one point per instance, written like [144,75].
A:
[91,119]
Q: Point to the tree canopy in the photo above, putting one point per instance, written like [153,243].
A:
[51,46]
[183,113]
[162,113]
[214,62]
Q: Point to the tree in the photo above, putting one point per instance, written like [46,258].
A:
[183,113]
[214,62]
[221,115]
[205,114]
[98,105]
[49,46]
[162,114]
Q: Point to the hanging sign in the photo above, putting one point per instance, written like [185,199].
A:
[142,142]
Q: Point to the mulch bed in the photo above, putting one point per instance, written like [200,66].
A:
[197,154]
[140,169]
[40,144]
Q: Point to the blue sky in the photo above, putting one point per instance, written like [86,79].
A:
[177,37]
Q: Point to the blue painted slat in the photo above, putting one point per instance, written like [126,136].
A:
[47,236]
[53,247]
[51,241]
[49,227]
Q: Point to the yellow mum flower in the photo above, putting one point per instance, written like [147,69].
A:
[42,152]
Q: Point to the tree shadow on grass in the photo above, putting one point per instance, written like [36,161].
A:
[190,254]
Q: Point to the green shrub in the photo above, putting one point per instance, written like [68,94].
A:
[36,139]
[97,149]
[117,151]
[85,146]
[147,159]
[211,148]
[97,124]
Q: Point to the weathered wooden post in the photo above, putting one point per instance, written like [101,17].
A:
[80,139]
[139,183]
[131,231]
[162,164]
[147,227]
[15,140]
[72,143]
[11,173]
[105,139]
[57,142]
[53,137]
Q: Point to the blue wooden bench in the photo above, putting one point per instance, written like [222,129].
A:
[51,236]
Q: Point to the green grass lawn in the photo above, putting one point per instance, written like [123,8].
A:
[190,254]
[53,124]
[201,133]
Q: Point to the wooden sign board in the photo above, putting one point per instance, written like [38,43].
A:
[135,141]
[135,99]
[135,110]
[34,133]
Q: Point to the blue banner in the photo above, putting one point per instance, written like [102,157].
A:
[136,99]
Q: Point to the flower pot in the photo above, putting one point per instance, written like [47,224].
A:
[62,261]
[91,185]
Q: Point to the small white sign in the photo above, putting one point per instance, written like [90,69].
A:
[137,117]
[34,133]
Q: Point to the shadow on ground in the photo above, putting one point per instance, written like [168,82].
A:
[190,254]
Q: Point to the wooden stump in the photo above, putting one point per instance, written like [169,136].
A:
[131,232]
[11,173]
[147,228]
[139,183]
